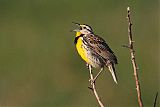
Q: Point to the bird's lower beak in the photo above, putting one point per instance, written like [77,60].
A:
[76,30]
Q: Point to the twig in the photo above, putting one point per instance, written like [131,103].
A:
[94,87]
[125,46]
[132,52]
[155,100]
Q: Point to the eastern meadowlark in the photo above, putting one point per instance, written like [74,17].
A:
[94,50]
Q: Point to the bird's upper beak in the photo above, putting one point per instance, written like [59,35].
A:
[78,27]
[76,23]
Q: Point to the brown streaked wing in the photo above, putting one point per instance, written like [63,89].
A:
[98,45]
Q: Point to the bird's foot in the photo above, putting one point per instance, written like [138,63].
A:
[92,81]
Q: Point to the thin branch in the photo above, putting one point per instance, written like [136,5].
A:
[155,100]
[125,46]
[132,52]
[94,87]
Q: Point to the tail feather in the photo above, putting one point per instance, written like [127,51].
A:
[112,70]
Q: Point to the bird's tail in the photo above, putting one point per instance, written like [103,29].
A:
[112,70]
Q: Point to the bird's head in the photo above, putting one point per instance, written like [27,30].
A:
[82,29]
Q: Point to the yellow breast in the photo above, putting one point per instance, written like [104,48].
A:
[81,50]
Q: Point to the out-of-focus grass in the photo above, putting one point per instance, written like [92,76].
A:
[39,65]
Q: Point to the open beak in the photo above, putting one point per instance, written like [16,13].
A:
[78,27]
[76,23]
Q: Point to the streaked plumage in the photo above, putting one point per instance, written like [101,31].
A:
[94,50]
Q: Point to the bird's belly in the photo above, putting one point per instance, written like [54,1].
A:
[95,61]
[81,50]
[88,56]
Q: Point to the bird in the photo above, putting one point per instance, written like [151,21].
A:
[94,50]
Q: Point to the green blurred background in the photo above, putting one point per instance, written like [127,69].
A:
[39,66]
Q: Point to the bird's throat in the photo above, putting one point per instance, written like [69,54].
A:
[78,34]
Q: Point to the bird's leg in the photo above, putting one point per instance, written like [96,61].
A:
[95,78]
[87,65]
[98,74]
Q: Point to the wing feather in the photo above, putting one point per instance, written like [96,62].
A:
[99,46]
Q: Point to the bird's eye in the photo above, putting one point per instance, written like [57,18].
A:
[84,27]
